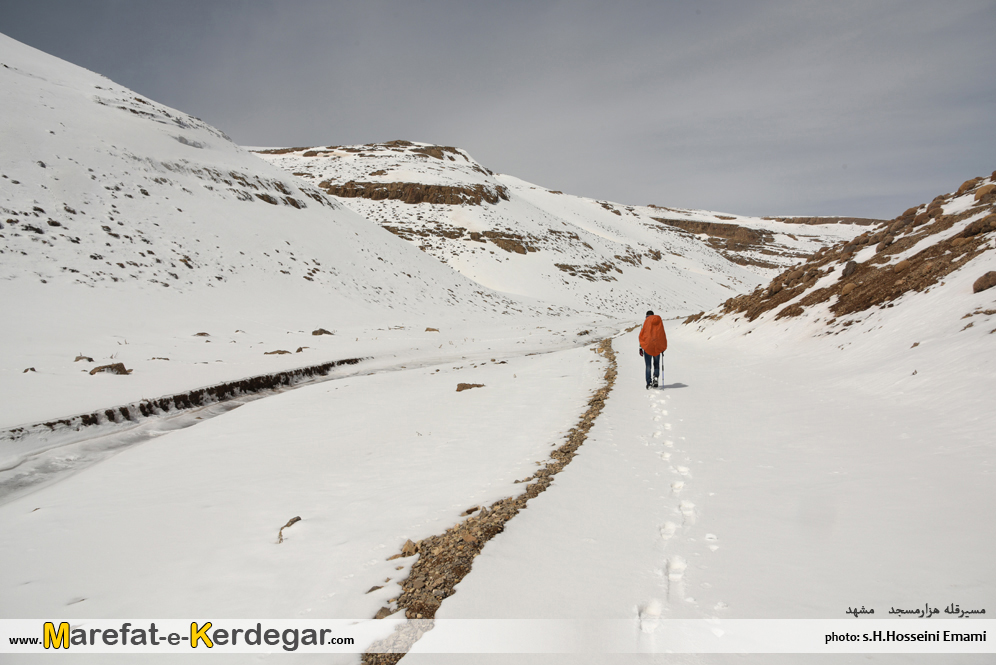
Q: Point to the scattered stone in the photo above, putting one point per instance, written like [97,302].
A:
[981,192]
[987,223]
[968,184]
[469,511]
[302,348]
[409,548]
[432,330]
[468,386]
[915,344]
[277,352]
[987,281]
[374,588]
[82,357]
[114,368]
[384,612]
[201,334]
[321,331]
[849,269]
[290,522]
[30,369]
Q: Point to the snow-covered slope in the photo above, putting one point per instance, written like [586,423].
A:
[523,239]
[927,272]
[127,228]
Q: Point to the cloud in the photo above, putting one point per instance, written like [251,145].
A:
[765,107]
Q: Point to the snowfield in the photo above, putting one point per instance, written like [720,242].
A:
[790,467]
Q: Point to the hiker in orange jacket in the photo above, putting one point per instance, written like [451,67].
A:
[653,343]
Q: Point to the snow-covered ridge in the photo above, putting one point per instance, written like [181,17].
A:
[523,239]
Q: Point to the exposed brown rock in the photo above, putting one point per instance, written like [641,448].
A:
[987,281]
[279,352]
[432,330]
[468,386]
[969,184]
[114,368]
[413,192]
[877,282]
[280,534]
[321,331]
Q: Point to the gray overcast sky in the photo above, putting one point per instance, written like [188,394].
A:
[771,107]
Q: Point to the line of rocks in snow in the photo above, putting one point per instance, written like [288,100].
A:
[444,560]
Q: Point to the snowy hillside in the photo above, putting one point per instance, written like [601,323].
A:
[932,266]
[382,382]
[519,238]
[128,228]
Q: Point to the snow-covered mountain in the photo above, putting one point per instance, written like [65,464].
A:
[523,239]
[816,443]
[127,228]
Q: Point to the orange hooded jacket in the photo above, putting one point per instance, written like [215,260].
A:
[653,341]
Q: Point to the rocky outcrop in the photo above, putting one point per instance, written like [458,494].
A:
[413,192]
[736,235]
[881,279]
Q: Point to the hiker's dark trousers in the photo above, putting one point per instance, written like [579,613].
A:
[657,365]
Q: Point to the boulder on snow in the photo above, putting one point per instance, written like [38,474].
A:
[980,226]
[321,331]
[432,330]
[987,281]
[114,368]
[468,386]
[968,184]
[981,192]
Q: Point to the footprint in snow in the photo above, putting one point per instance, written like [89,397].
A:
[667,426]
[683,470]
[650,616]
[675,574]
[688,511]
[669,443]
[658,434]
[668,530]
[657,418]
[665,456]
[677,486]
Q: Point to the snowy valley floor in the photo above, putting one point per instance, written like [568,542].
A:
[759,483]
